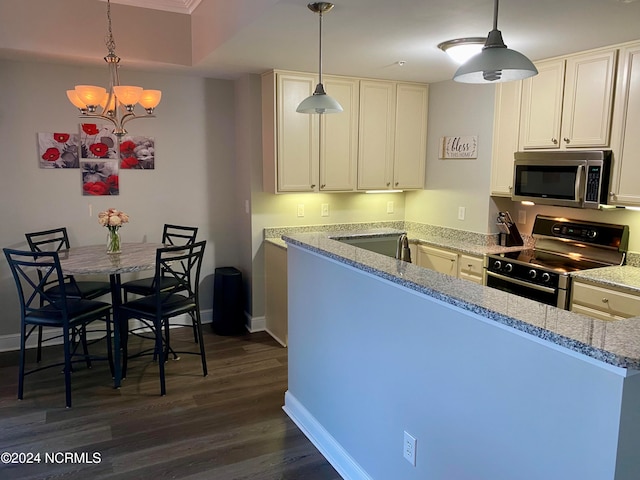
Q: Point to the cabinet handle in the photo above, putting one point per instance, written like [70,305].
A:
[388,184]
[566,140]
[605,300]
[397,183]
[323,185]
[554,141]
[470,266]
[313,186]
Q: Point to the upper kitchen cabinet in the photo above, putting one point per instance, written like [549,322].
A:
[506,129]
[392,145]
[302,152]
[625,188]
[569,103]
[339,137]
[289,139]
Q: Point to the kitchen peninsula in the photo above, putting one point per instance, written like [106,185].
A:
[492,386]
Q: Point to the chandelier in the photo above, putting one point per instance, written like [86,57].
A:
[117,103]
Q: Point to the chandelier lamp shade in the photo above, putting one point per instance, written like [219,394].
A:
[495,63]
[462,49]
[319,102]
[116,103]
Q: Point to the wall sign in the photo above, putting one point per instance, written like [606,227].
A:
[459,147]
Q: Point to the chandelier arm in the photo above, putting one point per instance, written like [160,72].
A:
[133,116]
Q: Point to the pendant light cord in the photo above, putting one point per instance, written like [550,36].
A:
[110,42]
[320,51]
[495,15]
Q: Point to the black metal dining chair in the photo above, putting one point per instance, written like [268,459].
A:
[171,235]
[36,275]
[55,240]
[182,264]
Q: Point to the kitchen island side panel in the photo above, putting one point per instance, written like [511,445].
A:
[370,359]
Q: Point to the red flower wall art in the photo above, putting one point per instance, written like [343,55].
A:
[58,150]
[97,142]
[99,155]
[100,178]
[137,153]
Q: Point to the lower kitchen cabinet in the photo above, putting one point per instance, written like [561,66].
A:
[603,303]
[275,294]
[459,265]
[438,259]
[470,268]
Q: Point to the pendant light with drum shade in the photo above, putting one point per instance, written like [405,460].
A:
[495,63]
[319,102]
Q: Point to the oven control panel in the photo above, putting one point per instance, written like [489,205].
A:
[594,233]
[512,269]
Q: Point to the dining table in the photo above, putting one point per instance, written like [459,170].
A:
[94,260]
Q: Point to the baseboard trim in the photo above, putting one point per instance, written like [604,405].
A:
[337,456]
[11,341]
[256,324]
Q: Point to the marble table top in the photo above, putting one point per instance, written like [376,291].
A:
[94,259]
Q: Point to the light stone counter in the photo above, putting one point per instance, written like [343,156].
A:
[615,343]
[622,277]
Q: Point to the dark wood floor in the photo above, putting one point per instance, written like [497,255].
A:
[228,425]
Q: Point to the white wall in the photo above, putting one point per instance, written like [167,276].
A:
[193,182]
[370,359]
[456,109]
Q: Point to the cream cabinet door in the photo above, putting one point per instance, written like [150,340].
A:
[626,125]
[588,99]
[297,135]
[376,135]
[339,137]
[440,260]
[506,129]
[603,303]
[542,106]
[410,152]
[275,286]
[290,140]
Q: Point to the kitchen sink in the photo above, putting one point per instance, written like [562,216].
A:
[384,245]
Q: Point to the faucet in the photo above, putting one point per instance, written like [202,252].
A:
[403,252]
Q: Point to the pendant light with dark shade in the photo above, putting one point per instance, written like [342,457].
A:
[319,102]
[495,63]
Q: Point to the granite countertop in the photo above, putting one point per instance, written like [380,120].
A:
[623,277]
[456,240]
[615,343]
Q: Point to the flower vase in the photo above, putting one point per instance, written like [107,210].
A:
[113,240]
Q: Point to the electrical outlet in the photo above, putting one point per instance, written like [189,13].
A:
[522,217]
[461,213]
[301,209]
[390,207]
[324,210]
[409,448]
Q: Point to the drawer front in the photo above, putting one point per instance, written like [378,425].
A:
[472,278]
[470,266]
[612,303]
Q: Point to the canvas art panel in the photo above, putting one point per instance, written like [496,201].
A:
[58,150]
[137,153]
[100,177]
[97,142]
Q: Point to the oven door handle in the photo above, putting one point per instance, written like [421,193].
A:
[541,288]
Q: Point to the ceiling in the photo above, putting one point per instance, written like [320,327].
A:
[367,38]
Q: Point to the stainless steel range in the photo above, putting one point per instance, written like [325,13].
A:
[562,246]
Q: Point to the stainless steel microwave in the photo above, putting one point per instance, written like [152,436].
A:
[570,179]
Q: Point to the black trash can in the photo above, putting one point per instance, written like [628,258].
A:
[228,309]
